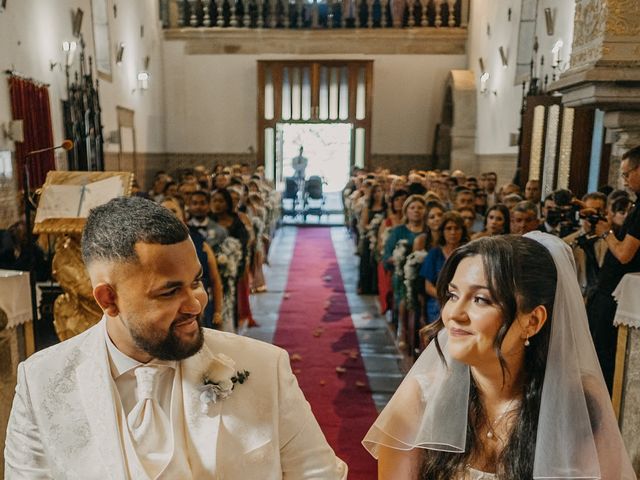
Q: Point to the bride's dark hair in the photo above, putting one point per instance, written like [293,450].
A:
[521,275]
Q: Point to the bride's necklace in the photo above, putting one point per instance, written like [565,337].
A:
[492,427]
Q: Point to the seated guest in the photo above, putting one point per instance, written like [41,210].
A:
[509,387]
[497,222]
[453,233]
[524,218]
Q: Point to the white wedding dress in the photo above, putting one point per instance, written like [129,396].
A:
[473,474]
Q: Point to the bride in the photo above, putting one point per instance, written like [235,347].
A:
[509,387]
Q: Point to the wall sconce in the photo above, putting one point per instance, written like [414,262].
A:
[119,53]
[69,49]
[484,76]
[503,57]
[143,80]
[555,51]
[76,22]
[550,21]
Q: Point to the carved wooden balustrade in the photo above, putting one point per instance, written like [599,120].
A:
[315,14]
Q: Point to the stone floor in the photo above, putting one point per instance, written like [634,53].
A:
[379,353]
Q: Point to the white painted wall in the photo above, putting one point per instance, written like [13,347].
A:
[211,100]
[31,36]
[499,108]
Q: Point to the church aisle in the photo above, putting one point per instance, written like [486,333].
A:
[315,326]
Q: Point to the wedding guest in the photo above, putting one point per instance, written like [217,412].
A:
[532,191]
[212,315]
[489,180]
[367,271]
[509,387]
[397,247]
[149,393]
[497,222]
[453,233]
[393,219]
[524,218]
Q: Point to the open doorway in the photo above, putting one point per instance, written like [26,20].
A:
[327,148]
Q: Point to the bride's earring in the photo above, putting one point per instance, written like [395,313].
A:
[527,342]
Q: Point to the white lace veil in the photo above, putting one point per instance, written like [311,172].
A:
[577,436]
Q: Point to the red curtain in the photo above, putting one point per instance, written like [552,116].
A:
[30,103]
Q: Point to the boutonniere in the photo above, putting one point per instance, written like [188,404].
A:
[219,380]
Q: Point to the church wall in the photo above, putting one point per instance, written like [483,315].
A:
[211,100]
[499,107]
[31,35]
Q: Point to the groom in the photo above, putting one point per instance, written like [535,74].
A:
[147,393]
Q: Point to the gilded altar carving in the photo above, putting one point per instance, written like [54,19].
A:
[76,310]
[589,28]
[623,19]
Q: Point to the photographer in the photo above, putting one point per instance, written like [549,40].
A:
[559,213]
[622,257]
[589,249]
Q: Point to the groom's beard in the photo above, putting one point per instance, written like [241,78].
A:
[170,346]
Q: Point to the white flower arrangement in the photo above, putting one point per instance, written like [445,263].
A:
[228,256]
[399,256]
[411,267]
[372,231]
[220,380]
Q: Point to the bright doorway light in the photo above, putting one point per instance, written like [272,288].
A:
[326,146]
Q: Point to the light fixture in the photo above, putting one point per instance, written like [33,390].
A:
[119,53]
[143,80]
[69,49]
[555,51]
[550,21]
[503,56]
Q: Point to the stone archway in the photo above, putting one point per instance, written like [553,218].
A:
[454,146]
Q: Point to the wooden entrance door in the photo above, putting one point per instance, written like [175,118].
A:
[314,91]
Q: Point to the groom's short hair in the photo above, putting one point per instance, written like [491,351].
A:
[113,229]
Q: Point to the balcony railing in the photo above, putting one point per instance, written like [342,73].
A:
[314,14]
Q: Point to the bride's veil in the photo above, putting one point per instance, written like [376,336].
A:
[577,435]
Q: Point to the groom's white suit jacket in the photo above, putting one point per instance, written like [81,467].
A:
[64,421]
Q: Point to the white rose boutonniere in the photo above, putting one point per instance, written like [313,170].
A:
[219,380]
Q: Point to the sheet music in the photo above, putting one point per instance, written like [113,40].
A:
[100,192]
[58,201]
[69,201]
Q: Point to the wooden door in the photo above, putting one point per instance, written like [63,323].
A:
[314,91]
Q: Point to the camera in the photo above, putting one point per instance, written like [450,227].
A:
[592,218]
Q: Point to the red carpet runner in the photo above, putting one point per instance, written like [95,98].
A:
[315,327]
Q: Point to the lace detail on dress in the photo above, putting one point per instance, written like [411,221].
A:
[473,474]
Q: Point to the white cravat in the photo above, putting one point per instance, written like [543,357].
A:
[149,426]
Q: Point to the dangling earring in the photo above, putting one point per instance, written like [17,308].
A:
[527,342]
